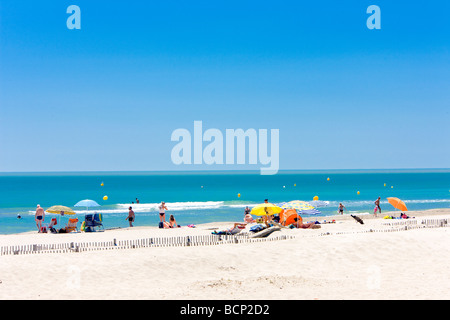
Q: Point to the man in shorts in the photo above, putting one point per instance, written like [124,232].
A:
[39,217]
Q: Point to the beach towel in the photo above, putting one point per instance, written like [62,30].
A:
[257,228]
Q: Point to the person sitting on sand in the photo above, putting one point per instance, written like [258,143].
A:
[39,217]
[173,222]
[248,217]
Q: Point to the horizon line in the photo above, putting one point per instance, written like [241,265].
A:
[243,171]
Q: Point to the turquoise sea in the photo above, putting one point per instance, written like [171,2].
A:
[200,197]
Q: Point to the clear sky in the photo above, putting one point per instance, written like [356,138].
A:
[109,96]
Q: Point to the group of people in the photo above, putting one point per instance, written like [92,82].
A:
[377,207]
[162,217]
[269,220]
[40,215]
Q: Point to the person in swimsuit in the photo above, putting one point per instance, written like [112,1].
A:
[39,217]
[173,222]
[377,205]
[162,212]
[341,208]
[130,217]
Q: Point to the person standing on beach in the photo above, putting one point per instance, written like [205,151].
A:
[162,212]
[341,208]
[39,217]
[377,206]
[131,216]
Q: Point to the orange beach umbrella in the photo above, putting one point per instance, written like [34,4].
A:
[397,204]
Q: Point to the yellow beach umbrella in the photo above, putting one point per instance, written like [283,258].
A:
[62,210]
[265,209]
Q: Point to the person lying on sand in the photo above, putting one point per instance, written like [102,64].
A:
[237,227]
[309,225]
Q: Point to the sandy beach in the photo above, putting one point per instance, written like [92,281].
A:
[342,260]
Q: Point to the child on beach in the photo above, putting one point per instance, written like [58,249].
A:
[377,206]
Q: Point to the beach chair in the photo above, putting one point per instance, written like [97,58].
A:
[72,225]
[92,221]
[53,223]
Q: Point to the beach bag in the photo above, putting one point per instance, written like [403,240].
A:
[161,225]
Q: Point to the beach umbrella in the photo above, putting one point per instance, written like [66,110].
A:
[297,205]
[87,203]
[265,209]
[302,207]
[397,204]
[319,203]
[62,210]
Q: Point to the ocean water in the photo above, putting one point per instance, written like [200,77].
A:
[201,197]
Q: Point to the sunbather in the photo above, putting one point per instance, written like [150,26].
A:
[310,225]
[237,227]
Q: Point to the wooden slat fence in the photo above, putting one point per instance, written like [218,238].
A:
[181,241]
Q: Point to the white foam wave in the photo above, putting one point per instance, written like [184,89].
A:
[172,206]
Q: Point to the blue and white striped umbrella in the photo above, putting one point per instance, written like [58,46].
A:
[319,203]
[87,203]
[309,211]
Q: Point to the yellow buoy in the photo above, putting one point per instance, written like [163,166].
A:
[328,179]
[296,185]
[385,184]
[105,198]
[102,184]
[316,198]
[392,187]
[239,195]
[358,192]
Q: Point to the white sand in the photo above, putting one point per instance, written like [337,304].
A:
[413,264]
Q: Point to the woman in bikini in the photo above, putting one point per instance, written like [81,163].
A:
[173,222]
[162,212]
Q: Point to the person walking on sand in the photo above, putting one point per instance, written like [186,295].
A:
[377,206]
[131,216]
[341,208]
[39,217]
[162,212]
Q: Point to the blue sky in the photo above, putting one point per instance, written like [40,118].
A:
[108,96]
